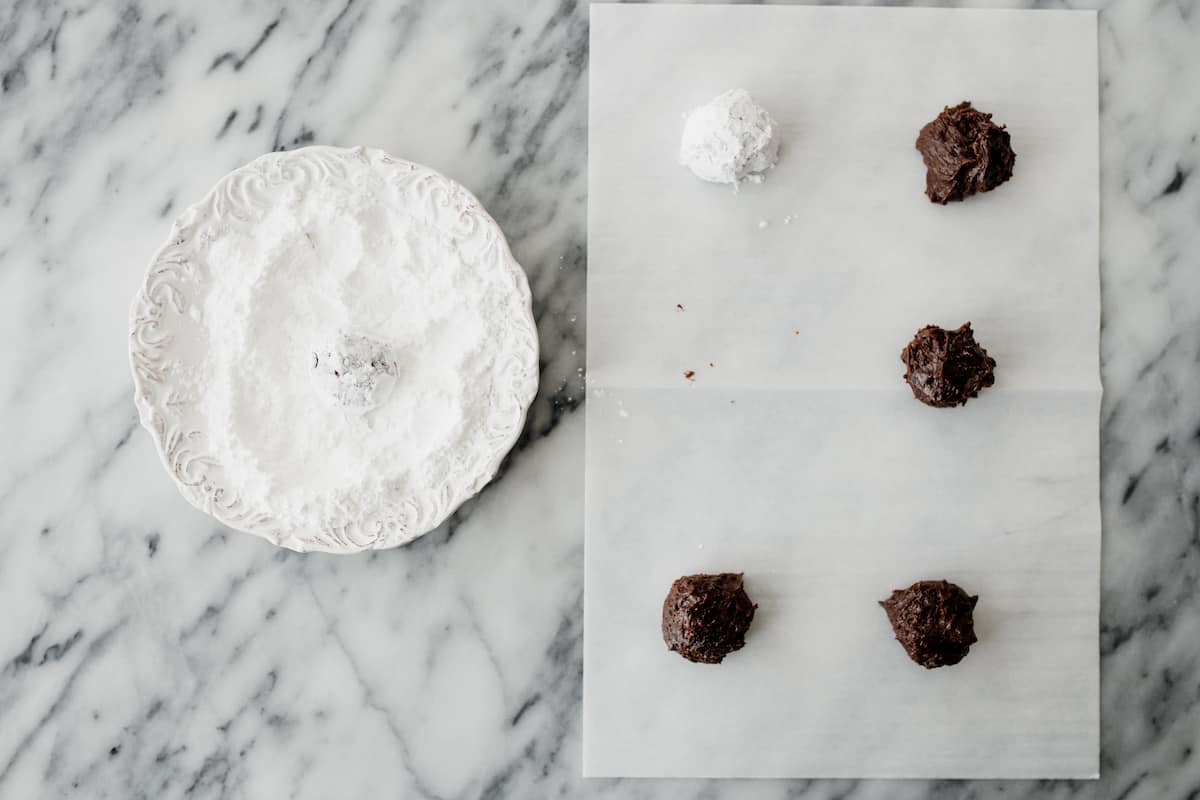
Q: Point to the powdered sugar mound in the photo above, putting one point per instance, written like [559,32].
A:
[729,139]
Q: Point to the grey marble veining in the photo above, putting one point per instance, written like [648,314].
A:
[146,652]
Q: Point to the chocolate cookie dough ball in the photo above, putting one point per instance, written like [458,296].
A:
[705,617]
[947,368]
[964,153]
[933,621]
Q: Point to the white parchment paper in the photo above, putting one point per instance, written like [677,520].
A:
[796,453]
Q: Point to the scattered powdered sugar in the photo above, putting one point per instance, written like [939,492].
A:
[352,354]
[729,139]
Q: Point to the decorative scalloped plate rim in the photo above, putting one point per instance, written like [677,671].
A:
[188,470]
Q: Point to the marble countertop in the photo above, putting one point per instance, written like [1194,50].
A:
[147,652]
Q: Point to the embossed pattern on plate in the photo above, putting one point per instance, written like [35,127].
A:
[167,339]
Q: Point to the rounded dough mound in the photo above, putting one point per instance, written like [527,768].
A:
[729,139]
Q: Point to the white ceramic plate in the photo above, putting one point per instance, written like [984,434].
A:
[171,352]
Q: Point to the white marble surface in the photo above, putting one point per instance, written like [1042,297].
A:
[147,653]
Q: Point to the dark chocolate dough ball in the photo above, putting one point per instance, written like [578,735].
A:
[946,368]
[964,153]
[933,621]
[705,617]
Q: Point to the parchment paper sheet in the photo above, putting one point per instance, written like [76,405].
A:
[799,456]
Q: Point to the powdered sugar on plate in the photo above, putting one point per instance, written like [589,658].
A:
[355,356]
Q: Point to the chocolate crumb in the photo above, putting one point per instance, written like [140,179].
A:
[690,374]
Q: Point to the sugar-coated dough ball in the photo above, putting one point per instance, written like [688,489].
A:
[729,139]
[354,373]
